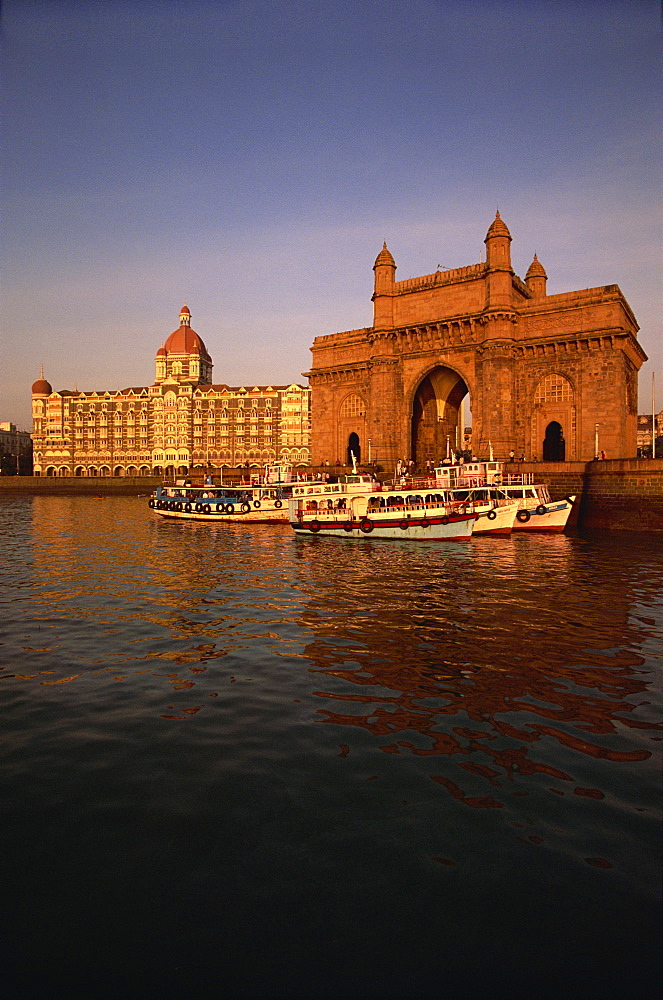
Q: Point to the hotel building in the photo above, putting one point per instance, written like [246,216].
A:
[181,423]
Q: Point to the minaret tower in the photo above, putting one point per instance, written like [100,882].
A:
[385,278]
[498,259]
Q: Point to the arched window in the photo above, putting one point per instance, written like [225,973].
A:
[553,389]
[353,406]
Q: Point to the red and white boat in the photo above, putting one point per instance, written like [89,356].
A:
[360,507]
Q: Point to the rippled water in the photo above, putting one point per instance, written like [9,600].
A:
[242,764]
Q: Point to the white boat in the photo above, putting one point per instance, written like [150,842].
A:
[351,510]
[534,510]
[262,498]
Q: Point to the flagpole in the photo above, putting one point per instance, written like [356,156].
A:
[653,415]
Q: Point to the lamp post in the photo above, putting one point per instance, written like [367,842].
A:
[596,440]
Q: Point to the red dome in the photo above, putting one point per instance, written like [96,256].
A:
[41,387]
[185,341]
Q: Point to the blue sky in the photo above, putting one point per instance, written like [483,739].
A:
[250,156]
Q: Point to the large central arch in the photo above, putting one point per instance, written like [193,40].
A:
[435,415]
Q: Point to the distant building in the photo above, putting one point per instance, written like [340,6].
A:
[179,424]
[644,434]
[15,451]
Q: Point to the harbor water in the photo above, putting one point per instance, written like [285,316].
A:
[237,763]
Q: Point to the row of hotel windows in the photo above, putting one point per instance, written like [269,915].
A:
[170,463]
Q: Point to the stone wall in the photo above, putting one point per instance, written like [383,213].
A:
[624,494]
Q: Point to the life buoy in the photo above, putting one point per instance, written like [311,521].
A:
[541,509]
[207,509]
[278,504]
[152,503]
[256,504]
[187,507]
[491,515]
[314,526]
[497,480]
[246,507]
[229,508]
[198,508]
[348,526]
[366,525]
[523,516]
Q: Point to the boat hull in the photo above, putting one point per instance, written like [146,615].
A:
[427,529]
[217,513]
[495,520]
[551,517]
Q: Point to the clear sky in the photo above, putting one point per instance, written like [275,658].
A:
[250,156]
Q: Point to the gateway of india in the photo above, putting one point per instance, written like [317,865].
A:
[548,376]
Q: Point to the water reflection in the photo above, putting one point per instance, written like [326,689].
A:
[491,656]
[488,654]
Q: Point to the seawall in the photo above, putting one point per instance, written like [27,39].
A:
[616,495]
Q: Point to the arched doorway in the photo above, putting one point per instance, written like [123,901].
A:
[354,448]
[436,416]
[554,446]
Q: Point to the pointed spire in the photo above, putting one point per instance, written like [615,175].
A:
[536,270]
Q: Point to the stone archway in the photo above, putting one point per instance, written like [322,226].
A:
[436,414]
[354,448]
[554,446]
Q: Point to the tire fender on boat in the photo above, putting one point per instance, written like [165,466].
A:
[152,503]
[256,504]
[444,520]
[366,525]
[541,509]
[522,516]
[314,526]
[198,508]
[348,526]
[207,509]
[278,504]
[246,507]
[229,508]
[187,508]
[491,515]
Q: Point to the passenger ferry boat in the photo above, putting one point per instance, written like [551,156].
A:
[263,499]
[534,510]
[359,507]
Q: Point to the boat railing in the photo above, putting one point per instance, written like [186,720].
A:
[334,513]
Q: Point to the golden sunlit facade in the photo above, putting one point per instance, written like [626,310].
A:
[180,424]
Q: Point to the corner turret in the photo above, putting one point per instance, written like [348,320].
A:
[498,259]
[536,279]
[385,278]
